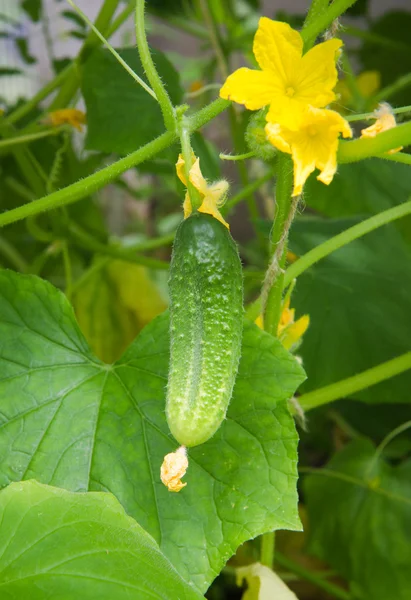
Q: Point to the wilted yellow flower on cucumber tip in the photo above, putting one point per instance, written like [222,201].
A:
[174,467]
[213,195]
[288,80]
[313,145]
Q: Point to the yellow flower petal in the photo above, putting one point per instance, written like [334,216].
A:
[254,89]
[295,332]
[385,120]
[277,48]
[313,145]
[275,137]
[174,467]
[317,74]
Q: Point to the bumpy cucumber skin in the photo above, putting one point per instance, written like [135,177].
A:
[206,320]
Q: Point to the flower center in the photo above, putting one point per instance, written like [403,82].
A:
[289,91]
[312,130]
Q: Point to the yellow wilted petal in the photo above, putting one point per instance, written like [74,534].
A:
[277,48]
[71,116]
[294,332]
[385,120]
[254,89]
[174,467]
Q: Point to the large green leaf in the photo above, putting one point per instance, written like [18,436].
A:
[71,421]
[121,115]
[360,522]
[58,544]
[359,307]
[362,188]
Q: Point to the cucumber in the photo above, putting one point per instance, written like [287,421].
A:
[206,319]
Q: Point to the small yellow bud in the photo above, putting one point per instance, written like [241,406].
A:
[71,116]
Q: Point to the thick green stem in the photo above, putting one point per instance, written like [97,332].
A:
[318,8]
[344,238]
[94,182]
[323,21]
[271,296]
[150,70]
[312,577]
[267,549]
[357,383]
[368,147]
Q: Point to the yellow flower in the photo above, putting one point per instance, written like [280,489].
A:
[213,195]
[385,120]
[71,116]
[313,145]
[288,80]
[289,331]
[174,467]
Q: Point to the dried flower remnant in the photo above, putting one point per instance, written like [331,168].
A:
[385,120]
[174,467]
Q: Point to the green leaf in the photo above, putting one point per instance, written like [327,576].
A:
[58,544]
[366,187]
[69,420]
[33,8]
[113,304]
[263,584]
[360,522]
[358,302]
[121,115]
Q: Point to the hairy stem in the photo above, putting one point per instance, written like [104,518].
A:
[323,21]
[150,70]
[357,383]
[344,238]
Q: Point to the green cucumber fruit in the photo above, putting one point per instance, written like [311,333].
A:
[206,320]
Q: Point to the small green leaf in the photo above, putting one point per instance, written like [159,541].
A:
[358,302]
[121,115]
[59,544]
[360,521]
[68,420]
